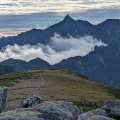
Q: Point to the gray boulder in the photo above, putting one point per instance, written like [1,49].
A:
[58,110]
[3,98]
[48,110]
[99,117]
[112,109]
[30,101]
[89,114]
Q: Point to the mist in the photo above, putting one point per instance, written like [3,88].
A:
[58,49]
[3,35]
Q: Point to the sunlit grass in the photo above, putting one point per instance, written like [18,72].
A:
[59,85]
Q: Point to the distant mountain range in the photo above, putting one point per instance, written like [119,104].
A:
[101,65]
[108,31]
[6,69]
[20,65]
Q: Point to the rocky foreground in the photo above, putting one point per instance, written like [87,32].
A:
[35,108]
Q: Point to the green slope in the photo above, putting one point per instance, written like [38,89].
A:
[58,85]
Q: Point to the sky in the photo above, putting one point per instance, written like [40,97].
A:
[21,15]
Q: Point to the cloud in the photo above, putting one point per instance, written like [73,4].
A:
[3,35]
[5,32]
[58,49]
[39,6]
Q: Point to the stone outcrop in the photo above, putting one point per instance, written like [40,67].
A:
[99,117]
[35,108]
[30,101]
[3,98]
[112,109]
[48,110]
[85,116]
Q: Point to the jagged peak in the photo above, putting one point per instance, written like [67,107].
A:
[68,18]
[37,59]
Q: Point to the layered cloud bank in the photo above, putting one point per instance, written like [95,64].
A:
[40,6]
[58,49]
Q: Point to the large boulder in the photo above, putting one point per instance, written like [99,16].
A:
[58,110]
[48,110]
[89,114]
[3,98]
[99,117]
[112,109]
[30,101]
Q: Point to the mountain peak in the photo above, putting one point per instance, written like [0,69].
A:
[68,18]
[37,59]
[110,21]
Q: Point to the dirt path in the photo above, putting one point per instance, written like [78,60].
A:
[23,89]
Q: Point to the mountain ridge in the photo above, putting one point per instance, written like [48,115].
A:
[43,36]
[106,60]
[20,65]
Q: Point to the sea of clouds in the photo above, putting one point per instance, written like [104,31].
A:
[58,49]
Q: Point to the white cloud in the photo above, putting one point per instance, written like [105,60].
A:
[60,48]
[5,32]
[59,6]
[3,35]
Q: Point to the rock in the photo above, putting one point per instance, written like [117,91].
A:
[48,110]
[21,114]
[99,117]
[58,110]
[85,116]
[112,109]
[30,101]
[3,98]
[35,108]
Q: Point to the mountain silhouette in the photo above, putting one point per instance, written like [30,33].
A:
[101,65]
[20,65]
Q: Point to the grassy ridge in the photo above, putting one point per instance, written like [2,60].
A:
[7,80]
[59,85]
